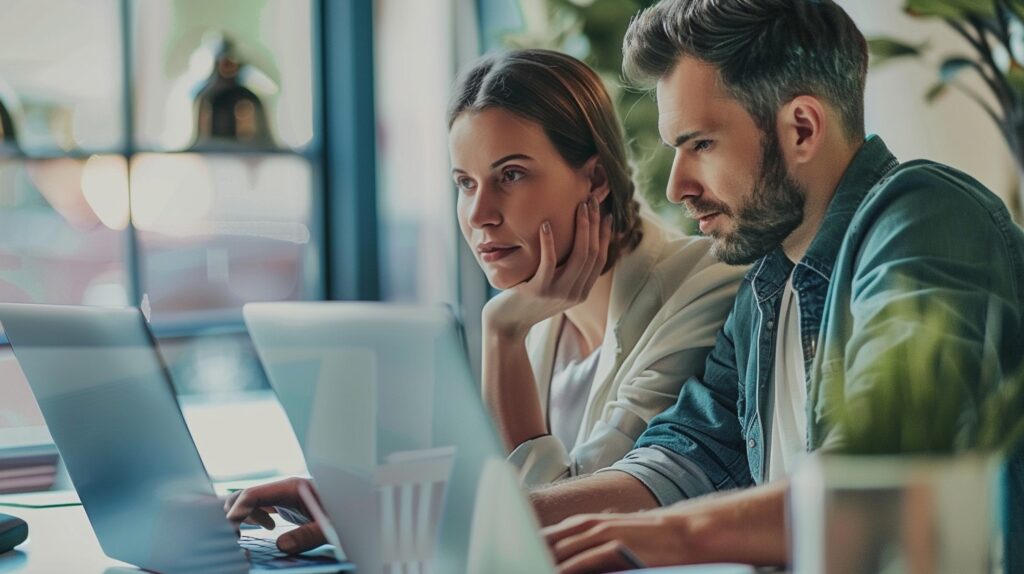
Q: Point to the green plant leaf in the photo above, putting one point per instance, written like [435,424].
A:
[955,9]
[1015,41]
[883,49]
[935,91]
[1016,8]
[952,66]
[1015,77]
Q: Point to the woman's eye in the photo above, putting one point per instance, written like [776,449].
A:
[702,145]
[512,175]
[465,183]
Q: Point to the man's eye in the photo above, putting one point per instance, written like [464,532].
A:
[702,145]
[512,175]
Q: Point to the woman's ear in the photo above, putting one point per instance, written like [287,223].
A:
[598,177]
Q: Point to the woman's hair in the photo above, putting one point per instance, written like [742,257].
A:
[567,99]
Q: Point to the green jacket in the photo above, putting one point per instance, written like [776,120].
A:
[906,255]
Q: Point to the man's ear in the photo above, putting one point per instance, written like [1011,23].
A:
[598,176]
[802,125]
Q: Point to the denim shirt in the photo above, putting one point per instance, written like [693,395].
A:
[886,223]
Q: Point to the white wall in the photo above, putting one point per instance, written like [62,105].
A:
[952,130]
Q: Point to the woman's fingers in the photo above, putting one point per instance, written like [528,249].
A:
[577,267]
[229,500]
[572,280]
[600,240]
[548,262]
[242,505]
[581,242]
[603,244]
[261,517]
[593,245]
[301,539]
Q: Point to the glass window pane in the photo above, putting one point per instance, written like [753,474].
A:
[62,231]
[416,195]
[177,67]
[217,364]
[218,231]
[61,73]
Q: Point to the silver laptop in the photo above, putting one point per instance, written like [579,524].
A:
[381,397]
[109,404]
[383,402]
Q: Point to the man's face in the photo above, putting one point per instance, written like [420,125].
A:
[731,176]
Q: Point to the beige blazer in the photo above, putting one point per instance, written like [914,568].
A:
[669,298]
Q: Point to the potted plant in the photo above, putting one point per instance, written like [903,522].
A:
[994,31]
[912,477]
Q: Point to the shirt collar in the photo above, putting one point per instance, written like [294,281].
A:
[869,165]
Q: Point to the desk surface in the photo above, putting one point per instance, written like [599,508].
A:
[60,540]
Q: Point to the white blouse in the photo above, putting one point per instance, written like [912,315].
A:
[669,299]
[571,380]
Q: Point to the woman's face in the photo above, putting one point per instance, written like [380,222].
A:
[510,179]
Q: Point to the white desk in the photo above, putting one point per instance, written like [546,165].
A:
[59,540]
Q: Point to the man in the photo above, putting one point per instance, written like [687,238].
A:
[852,256]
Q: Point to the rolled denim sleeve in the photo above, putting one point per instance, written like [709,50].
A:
[668,476]
[702,431]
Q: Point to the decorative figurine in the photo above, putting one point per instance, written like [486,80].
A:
[226,107]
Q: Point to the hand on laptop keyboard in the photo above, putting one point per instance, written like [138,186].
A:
[254,506]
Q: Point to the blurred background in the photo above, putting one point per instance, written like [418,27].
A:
[190,156]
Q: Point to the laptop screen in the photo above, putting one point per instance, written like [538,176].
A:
[110,407]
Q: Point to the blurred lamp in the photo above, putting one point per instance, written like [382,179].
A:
[226,107]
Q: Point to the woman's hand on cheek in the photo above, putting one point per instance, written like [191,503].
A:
[554,288]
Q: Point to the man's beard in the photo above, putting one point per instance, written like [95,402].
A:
[772,211]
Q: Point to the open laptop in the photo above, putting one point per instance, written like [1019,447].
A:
[383,403]
[369,387]
[109,404]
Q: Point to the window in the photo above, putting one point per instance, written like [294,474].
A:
[165,151]
[423,254]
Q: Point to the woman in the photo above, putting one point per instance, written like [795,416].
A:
[603,313]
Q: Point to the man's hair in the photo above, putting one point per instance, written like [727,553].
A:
[767,52]
[567,99]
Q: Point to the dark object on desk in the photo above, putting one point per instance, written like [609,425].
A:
[13,531]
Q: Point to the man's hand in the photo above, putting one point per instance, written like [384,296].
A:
[254,506]
[555,288]
[745,526]
[611,542]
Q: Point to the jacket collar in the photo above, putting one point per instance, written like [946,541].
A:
[869,165]
[634,269]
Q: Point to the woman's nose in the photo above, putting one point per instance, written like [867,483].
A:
[485,210]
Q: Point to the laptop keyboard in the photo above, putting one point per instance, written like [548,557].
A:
[260,550]
[264,555]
